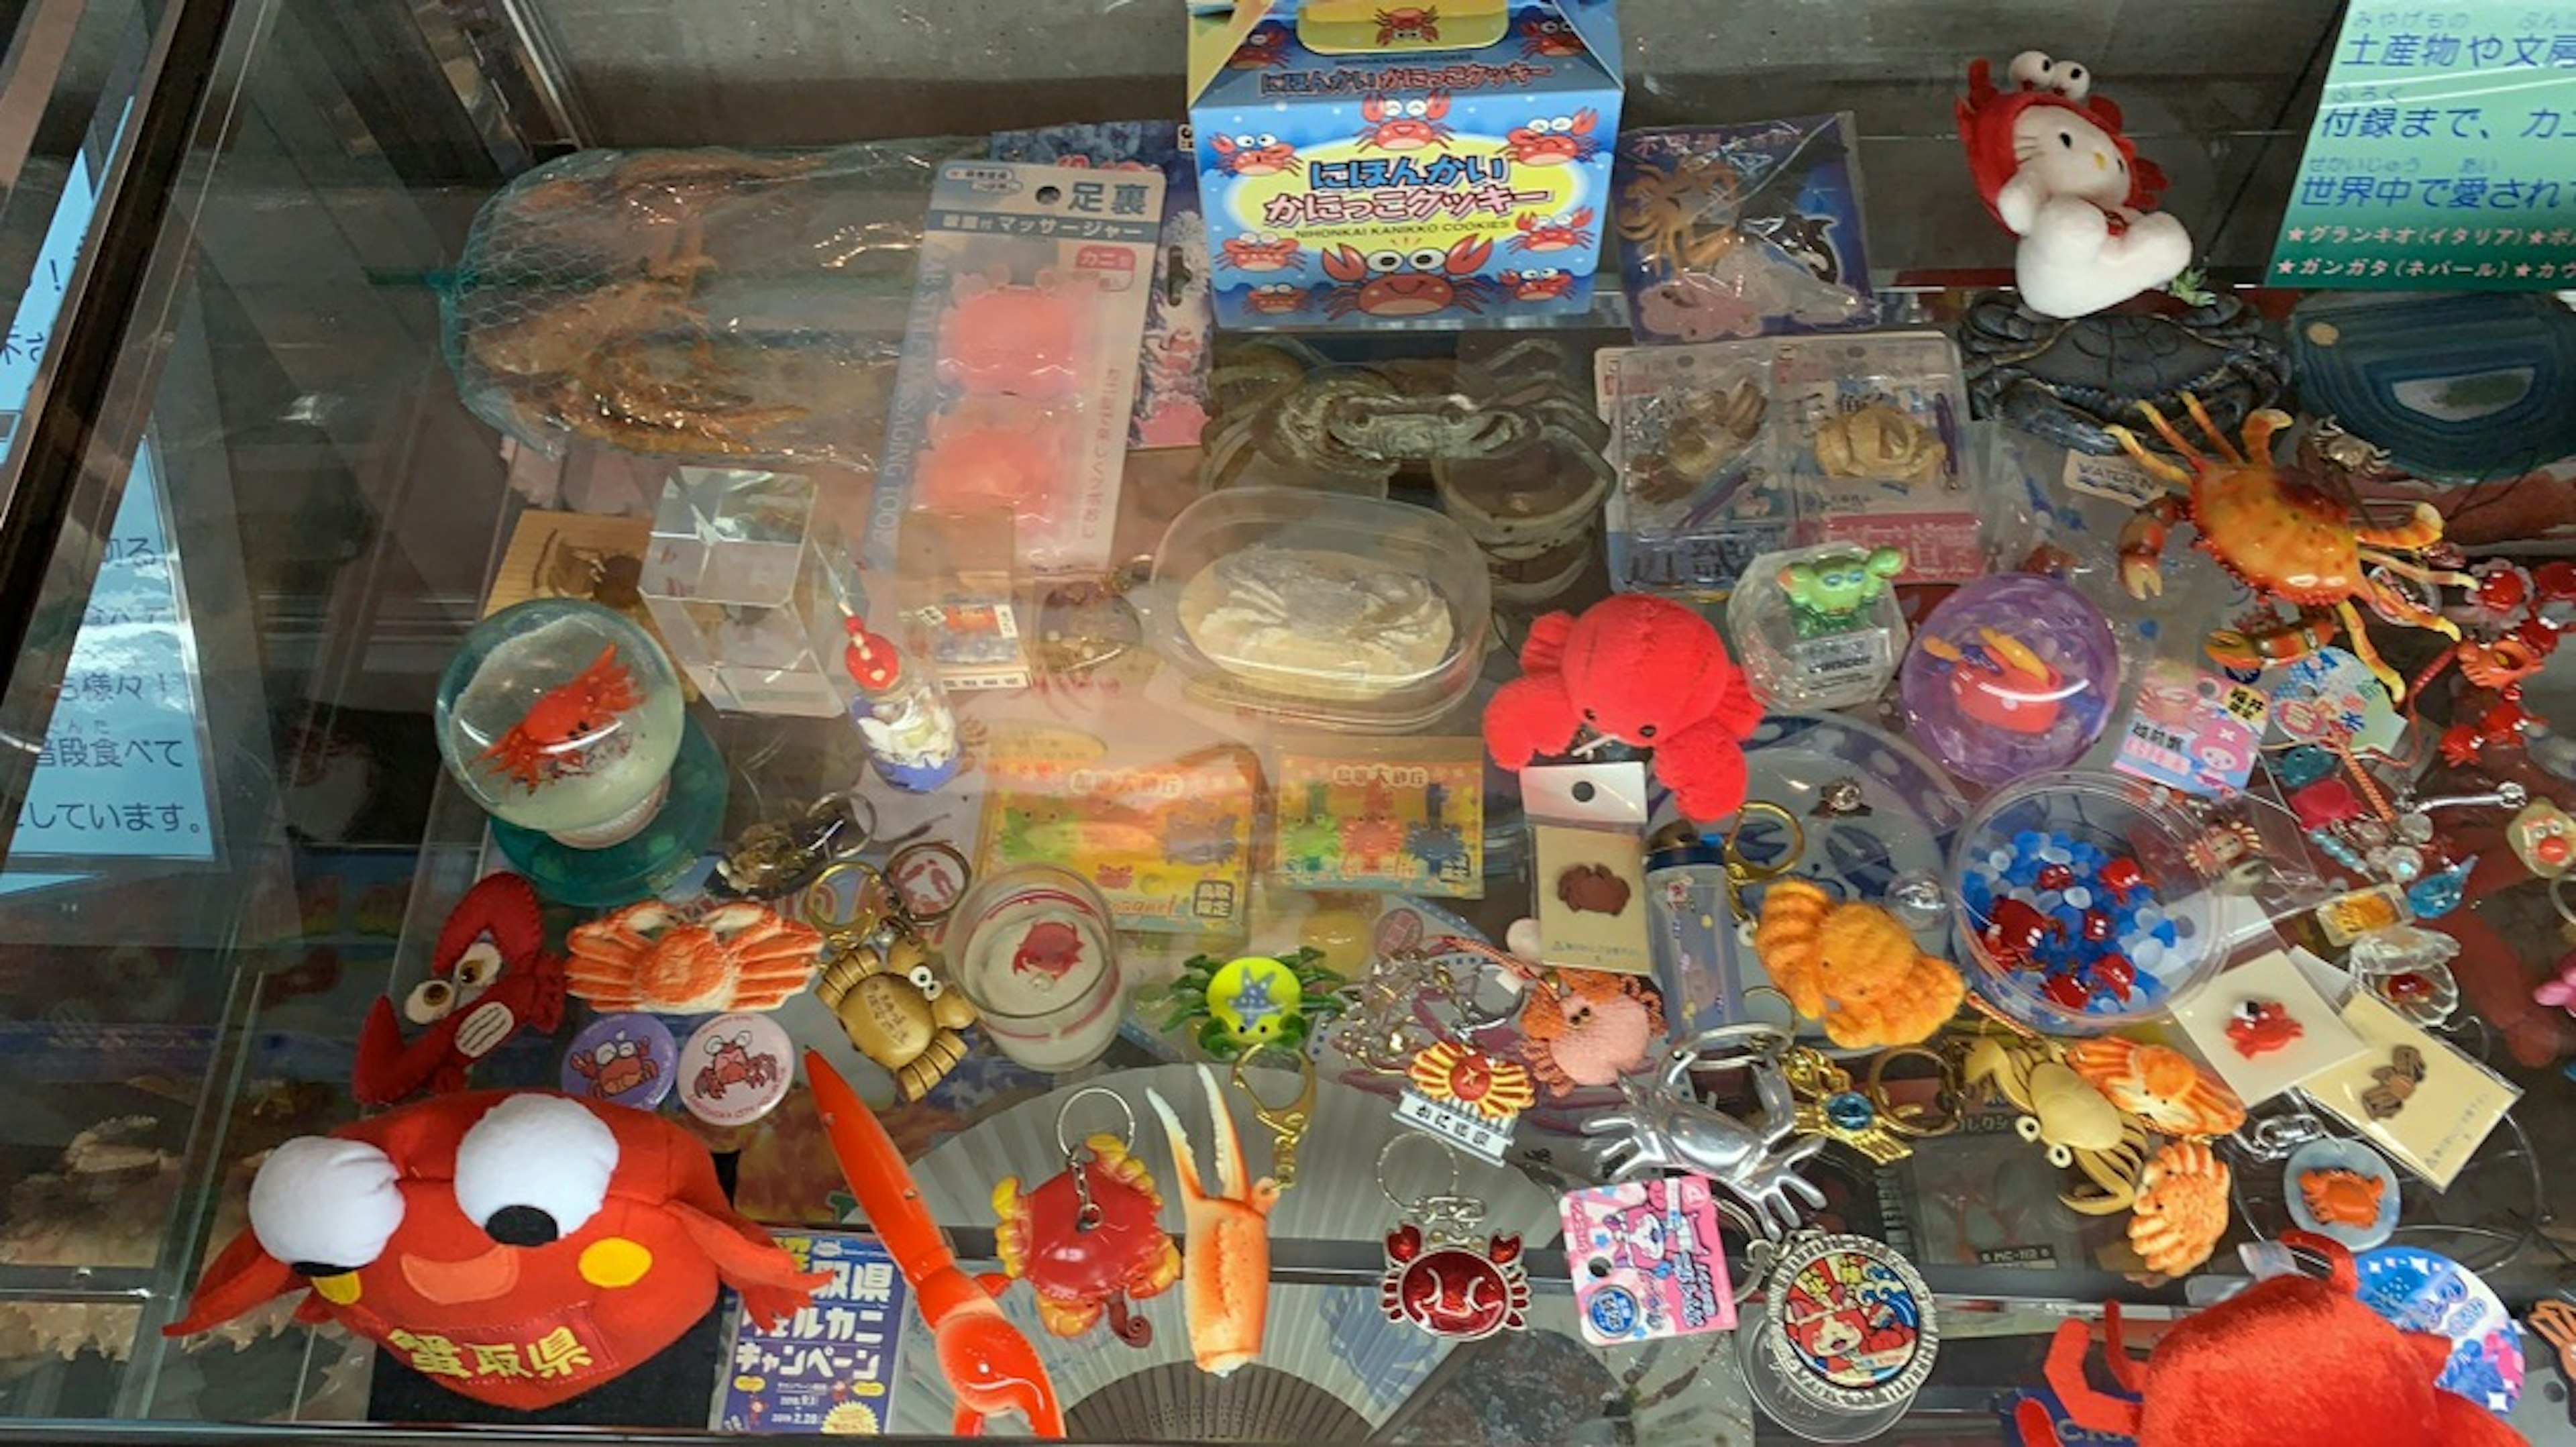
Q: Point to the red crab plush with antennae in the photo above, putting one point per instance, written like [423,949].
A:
[489,978]
[520,1247]
[1645,671]
[2291,1361]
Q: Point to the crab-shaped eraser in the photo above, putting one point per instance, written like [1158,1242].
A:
[2051,163]
[1645,671]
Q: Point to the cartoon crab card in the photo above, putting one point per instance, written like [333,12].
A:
[2264,1028]
[1591,907]
[1168,844]
[1408,820]
[1647,1260]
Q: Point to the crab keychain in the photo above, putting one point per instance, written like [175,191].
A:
[880,975]
[1088,1239]
[1438,1275]
[771,859]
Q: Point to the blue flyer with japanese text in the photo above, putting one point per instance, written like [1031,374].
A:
[830,1367]
[2444,152]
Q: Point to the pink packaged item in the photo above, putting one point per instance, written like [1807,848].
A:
[1647,1260]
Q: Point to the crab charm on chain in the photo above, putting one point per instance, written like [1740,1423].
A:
[2283,533]
[1665,1126]
[1086,1239]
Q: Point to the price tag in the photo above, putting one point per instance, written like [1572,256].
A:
[1486,1140]
[2118,478]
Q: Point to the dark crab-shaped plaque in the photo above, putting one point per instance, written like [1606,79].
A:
[2069,381]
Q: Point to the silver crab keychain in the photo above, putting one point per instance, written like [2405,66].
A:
[1666,1126]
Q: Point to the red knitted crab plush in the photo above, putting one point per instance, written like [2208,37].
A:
[2291,1361]
[1645,671]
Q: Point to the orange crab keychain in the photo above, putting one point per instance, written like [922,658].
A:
[1089,1239]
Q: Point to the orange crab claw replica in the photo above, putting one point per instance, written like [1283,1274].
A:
[991,1367]
[1225,1276]
[520,1247]
[1645,671]
[2291,1361]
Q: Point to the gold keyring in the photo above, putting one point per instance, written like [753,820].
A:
[823,898]
[1305,1068]
[1791,1028]
[940,848]
[1902,1119]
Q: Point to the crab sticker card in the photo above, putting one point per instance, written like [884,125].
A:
[1167,844]
[1411,822]
[1374,165]
[1647,1261]
[2264,1028]
[2193,730]
[1018,375]
[2419,1098]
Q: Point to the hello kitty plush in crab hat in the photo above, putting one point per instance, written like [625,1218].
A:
[2051,164]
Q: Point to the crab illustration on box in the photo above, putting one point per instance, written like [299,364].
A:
[1371,163]
[2052,164]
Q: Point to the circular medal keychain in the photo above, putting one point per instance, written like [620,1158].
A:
[1845,1337]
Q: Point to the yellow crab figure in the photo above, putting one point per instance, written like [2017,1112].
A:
[2281,533]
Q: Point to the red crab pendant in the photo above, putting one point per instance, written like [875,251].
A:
[1452,1289]
[1086,1259]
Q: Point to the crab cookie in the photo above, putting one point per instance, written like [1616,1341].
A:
[1321,624]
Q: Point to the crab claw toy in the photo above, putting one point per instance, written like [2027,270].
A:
[987,1362]
[2291,1361]
[2051,164]
[490,977]
[519,1247]
[1645,671]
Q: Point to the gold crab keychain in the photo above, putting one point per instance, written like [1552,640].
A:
[1831,1104]
[881,977]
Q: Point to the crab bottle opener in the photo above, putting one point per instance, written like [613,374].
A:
[1439,1276]
[1088,1239]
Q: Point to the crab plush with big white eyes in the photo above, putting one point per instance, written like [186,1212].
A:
[518,1247]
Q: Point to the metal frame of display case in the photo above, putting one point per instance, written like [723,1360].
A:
[505,97]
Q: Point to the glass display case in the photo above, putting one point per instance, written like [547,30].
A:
[299,389]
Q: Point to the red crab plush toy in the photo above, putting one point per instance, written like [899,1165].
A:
[519,1247]
[490,978]
[1645,671]
[2291,1361]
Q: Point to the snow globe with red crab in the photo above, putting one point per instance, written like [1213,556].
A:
[563,720]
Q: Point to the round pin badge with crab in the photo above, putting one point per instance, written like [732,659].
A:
[624,1060]
[736,1069]
[2342,1189]
[1846,1337]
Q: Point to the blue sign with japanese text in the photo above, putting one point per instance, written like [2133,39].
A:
[2443,155]
[830,1367]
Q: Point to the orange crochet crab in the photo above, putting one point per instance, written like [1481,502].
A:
[2282,533]
[1853,966]
[517,1247]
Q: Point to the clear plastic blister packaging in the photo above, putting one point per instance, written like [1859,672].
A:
[1742,230]
[1019,369]
[692,304]
[1698,465]
[1875,444]
[1729,450]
